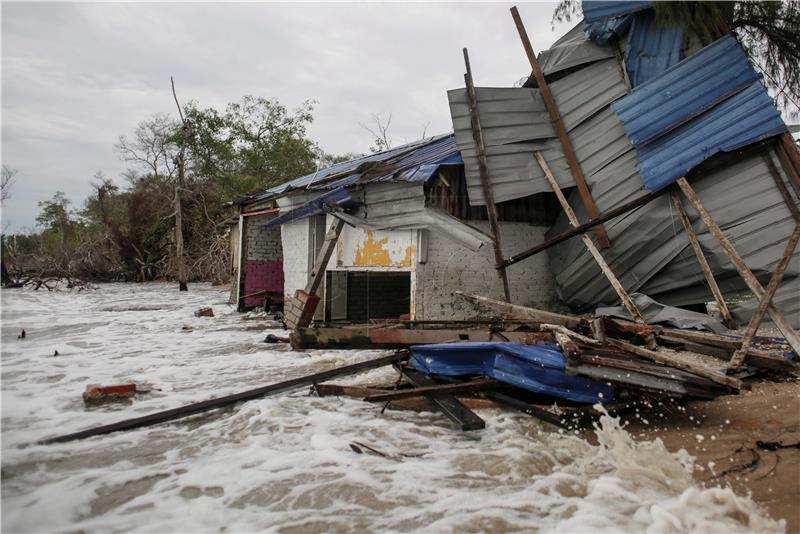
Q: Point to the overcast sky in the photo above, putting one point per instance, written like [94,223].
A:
[77,76]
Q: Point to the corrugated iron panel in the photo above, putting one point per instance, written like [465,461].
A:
[415,161]
[741,120]
[598,9]
[651,48]
[512,168]
[602,31]
[686,90]
[572,50]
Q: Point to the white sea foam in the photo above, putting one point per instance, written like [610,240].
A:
[284,463]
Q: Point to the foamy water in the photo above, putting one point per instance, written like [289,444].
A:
[284,463]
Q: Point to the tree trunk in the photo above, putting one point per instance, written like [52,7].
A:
[179,258]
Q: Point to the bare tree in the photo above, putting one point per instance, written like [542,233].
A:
[6,182]
[380,132]
[181,163]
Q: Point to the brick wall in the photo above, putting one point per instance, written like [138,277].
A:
[264,262]
[451,267]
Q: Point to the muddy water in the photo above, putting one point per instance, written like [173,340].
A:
[284,463]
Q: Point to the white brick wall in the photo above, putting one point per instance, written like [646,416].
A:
[295,255]
[451,267]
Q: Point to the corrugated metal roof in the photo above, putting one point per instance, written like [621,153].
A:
[413,162]
[603,30]
[572,50]
[743,119]
[512,168]
[684,91]
[651,48]
[597,9]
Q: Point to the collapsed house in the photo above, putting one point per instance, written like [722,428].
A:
[616,113]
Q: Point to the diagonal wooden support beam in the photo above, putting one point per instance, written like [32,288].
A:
[561,131]
[747,275]
[758,315]
[483,167]
[701,259]
[615,283]
[784,191]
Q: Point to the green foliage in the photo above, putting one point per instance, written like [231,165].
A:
[54,213]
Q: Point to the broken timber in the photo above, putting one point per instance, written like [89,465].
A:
[483,166]
[766,299]
[561,131]
[228,400]
[299,309]
[701,259]
[448,405]
[615,283]
[581,228]
[516,311]
[747,275]
[449,389]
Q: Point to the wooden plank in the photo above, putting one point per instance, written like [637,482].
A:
[519,312]
[701,259]
[755,357]
[486,183]
[776,177]
[582,228]
[324,256]
[749,278]
[615,283]
[665,359]
[766,299]
[789,167]
[525,407]
[229,400]
[451,407]
[472,385]
[561,131]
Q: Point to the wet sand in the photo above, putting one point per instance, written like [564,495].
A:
[722,435]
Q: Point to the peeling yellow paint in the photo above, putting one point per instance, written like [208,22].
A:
[370,252]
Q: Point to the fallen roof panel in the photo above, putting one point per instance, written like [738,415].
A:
[685,90]
[599,9]
[651,48]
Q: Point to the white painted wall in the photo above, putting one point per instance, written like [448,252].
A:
[451,267]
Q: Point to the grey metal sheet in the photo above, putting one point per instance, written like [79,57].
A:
[509,145]
[572,50]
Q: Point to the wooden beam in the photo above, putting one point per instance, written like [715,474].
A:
[665,359]
[785,148]
[615,283]
[449,389]
[582,228]
[451,407]
[483,167]
[776,176]
[527,408]
[324,256]
[516,311]
[228,400]
[747,275]
[766,299]
[561,131]
[701,259]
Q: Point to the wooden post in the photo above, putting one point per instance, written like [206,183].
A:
[324,256]
[615,283]
[758,315]
[776,176]
[727,247]
[785,147]
[488,194]
[701,259]
[561,131]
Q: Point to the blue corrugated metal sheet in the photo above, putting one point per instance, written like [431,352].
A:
[684,91]
[324,203]
[538,368]
[651,48]
[413,162]
[601,31]
[595,9]
[741,120]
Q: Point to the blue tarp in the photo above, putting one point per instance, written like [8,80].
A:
[538,368]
